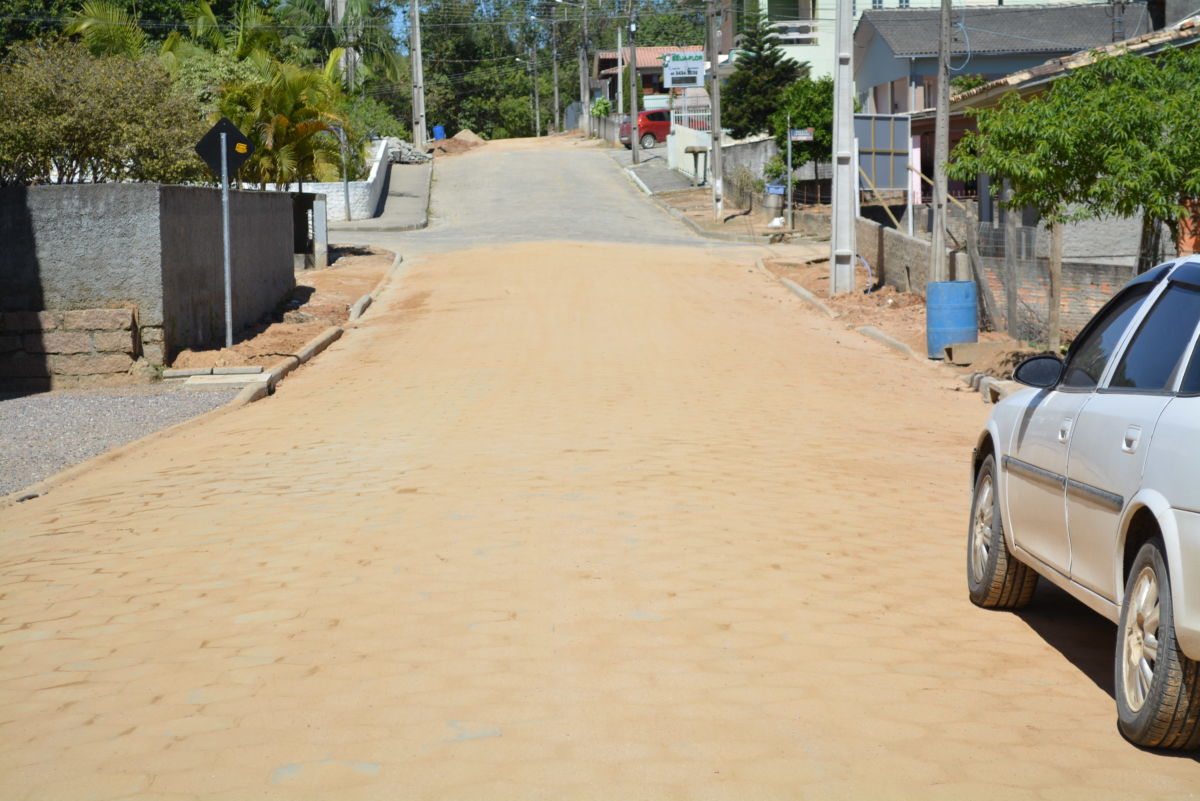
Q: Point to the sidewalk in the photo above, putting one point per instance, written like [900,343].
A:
[406,207]
[653,171]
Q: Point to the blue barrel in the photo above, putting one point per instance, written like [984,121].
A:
[951,315]
[439,132]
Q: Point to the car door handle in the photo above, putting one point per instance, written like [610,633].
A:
[1133,435]
[1064,430]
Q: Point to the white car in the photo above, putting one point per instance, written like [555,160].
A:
[1091,480]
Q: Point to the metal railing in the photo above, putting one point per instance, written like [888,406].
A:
[697,119]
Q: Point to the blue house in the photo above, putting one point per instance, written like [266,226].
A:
[895,50]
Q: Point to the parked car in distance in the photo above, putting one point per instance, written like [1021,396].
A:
[1090,479]
[653,127]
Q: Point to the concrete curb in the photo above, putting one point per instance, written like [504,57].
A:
[637,180]
[360,306]
[679,215]
[319,343]
[809,298]
[874,333]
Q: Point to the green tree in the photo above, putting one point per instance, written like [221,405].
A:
[641,92]
[68,116]
[810,104]
[1117,137]
[282,113]
[763,72]
[670,27]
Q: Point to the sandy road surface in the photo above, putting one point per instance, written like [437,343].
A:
[559,520]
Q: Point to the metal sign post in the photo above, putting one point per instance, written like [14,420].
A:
[794,135]
[225,240]
[225,148]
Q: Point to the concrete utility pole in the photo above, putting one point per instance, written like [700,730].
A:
[715,15]
[842,244]
[418,74]
[939,269]
[585,112]
[620,69]
[537,95]
[634,144]
[554,52]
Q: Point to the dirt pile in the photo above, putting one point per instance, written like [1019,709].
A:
[467,135]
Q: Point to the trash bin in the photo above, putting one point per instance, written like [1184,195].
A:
[951,315]
[439,132]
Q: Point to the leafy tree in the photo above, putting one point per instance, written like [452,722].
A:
[68,116]
[367,117]
[669,28]
[966,82]
[810,104]
[752,93]
[1117,137]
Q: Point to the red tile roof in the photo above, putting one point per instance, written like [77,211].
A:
[648,57]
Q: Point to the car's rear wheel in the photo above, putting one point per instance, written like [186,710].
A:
[648,141]
[1157,686]
[994,578]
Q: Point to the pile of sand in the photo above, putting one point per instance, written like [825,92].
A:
[467,135]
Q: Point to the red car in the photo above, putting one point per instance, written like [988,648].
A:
[653,127]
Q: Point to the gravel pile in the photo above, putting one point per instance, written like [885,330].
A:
[43,434]
[406,153]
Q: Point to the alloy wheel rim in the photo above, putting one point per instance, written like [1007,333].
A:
[1139,644]
[981,528]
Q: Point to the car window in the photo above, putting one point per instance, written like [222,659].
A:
[1091,352]
[1150,360]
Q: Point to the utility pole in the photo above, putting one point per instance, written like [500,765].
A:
[842,245]
[620,70]
[537,95]
[634,144]
[554,51]
[715,17]
[585,74]
[418,74]
[938,268]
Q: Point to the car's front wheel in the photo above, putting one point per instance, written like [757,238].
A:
[1157,686]
[994,578]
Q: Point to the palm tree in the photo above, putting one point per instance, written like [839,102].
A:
[282,114]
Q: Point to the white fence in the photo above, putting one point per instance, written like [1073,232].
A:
[697,119]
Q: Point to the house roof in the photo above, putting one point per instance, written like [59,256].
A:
[992,30]
[648,57]
[1183,34]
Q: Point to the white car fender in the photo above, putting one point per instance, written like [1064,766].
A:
[1185,617]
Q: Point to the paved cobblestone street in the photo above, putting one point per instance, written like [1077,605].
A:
[559,519]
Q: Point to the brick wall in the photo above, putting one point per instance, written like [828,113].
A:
[47,345]
[1086,287]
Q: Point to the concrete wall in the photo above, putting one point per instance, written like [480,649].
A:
[153,251]
[364,195]
[192,274]
[81,247]
[42,347]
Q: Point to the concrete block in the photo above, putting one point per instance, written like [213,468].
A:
[967,353]
[151,334]
[360,306]
[237,370]
[89,364]
[118,341]
[225,381]
[57,342]
[9,343]
[98,319]
[186,372]
[153,353]
[32,320]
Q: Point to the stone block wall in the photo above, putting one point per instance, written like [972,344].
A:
[71,344]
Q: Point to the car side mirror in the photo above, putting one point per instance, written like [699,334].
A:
[1042,371]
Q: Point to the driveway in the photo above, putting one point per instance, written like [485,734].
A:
[584,508]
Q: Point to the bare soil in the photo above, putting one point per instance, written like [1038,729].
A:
[321,298]
[697,205]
